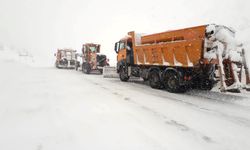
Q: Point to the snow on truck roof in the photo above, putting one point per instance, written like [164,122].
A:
[188,28]
[68,50]
[91,44]
[126,38]
[158,33]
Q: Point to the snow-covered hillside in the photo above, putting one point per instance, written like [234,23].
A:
[8,54]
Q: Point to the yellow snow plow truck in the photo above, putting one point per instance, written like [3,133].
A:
[195,57]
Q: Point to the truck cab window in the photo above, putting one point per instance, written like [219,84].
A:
[92,48]
[122,45]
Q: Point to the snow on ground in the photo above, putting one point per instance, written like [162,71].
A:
[44,108]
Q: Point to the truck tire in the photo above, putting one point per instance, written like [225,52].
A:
[76,67]
[56,65]
[145,79]
[172,82]
[155,80]
[101,71]
[123,74]
[206,84]
[86,68]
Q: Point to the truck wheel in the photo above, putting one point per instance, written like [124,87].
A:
[206,84]
[76,67]
[154,80]
[101,71]
[123,74]
[145,79]
[86,68]
[56,65]
[172,82]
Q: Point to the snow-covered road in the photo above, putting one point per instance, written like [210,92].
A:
[43,108]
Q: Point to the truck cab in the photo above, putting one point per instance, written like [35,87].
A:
[124,50]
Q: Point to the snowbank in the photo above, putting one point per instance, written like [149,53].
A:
[12,55]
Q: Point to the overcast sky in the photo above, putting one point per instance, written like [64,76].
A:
[42,26]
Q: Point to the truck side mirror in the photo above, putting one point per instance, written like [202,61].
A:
[55,54]
[116,47]
[98,49]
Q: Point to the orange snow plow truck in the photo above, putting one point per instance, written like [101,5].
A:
[181,59]
[92,59]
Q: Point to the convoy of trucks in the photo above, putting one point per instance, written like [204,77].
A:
[177,60]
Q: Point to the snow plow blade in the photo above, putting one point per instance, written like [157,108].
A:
[234,75]
[110,72]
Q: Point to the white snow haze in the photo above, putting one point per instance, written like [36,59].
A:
[42,26]
[45,108]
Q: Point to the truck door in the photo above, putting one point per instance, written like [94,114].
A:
[130,54]
[122,51]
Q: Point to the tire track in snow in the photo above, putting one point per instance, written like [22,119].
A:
[219,98]
[225,100]
[179,98]
[166,120]
[174,123]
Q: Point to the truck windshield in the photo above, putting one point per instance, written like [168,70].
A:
[122,45]
[69,55]
[92,48]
